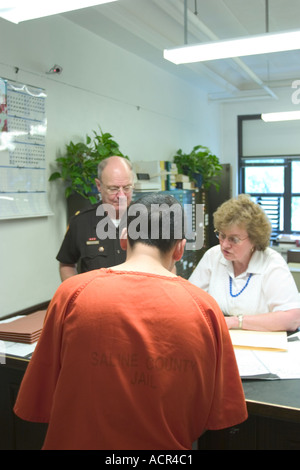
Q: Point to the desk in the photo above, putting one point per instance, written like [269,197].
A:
[16,434]
[273,422]
[278,399]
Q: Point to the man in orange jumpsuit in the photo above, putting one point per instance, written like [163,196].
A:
[134,357]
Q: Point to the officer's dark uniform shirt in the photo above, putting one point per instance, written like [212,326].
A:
[81,243]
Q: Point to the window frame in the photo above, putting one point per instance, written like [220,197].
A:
[285,160]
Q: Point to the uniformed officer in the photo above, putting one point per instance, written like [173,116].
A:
[81,244]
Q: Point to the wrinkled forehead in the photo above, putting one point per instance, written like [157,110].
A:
[120,175]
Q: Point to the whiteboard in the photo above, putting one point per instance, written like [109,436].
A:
[23,128]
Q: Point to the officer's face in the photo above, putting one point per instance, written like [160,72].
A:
[116,186]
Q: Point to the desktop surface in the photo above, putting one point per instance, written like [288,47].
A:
[277,398]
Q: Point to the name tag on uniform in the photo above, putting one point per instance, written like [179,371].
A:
[92,241]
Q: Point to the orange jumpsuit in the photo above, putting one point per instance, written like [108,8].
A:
[131,361]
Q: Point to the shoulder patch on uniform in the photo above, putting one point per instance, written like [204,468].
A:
[85,209]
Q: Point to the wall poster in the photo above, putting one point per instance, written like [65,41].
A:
[23,128]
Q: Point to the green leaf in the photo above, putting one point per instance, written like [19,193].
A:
[200,160]
[93,199]
[79,166]
[55,176]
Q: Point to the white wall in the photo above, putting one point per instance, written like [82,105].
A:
[280,137]
[150,113]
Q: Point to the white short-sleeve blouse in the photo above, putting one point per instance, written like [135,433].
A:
[270,288]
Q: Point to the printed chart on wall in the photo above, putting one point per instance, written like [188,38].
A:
[23,128]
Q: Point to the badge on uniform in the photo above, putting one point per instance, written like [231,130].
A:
[92,241]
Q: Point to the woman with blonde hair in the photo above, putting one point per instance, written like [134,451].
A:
[250,281]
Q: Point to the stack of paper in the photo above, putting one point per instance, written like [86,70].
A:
[26,329]
[265,340]
[266,355]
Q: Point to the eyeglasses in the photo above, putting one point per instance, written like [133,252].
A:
[234,240]
[115,189]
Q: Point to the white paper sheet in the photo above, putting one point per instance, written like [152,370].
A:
[277,364]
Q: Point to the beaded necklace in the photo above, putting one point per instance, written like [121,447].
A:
[230,286]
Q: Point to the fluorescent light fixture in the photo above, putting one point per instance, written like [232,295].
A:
[23,10]
[239,47]
[281,116]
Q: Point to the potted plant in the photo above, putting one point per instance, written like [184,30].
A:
[200,162]
[78,168]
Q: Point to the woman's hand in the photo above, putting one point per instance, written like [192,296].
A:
[232,322]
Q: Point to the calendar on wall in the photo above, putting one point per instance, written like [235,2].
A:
[23,128]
